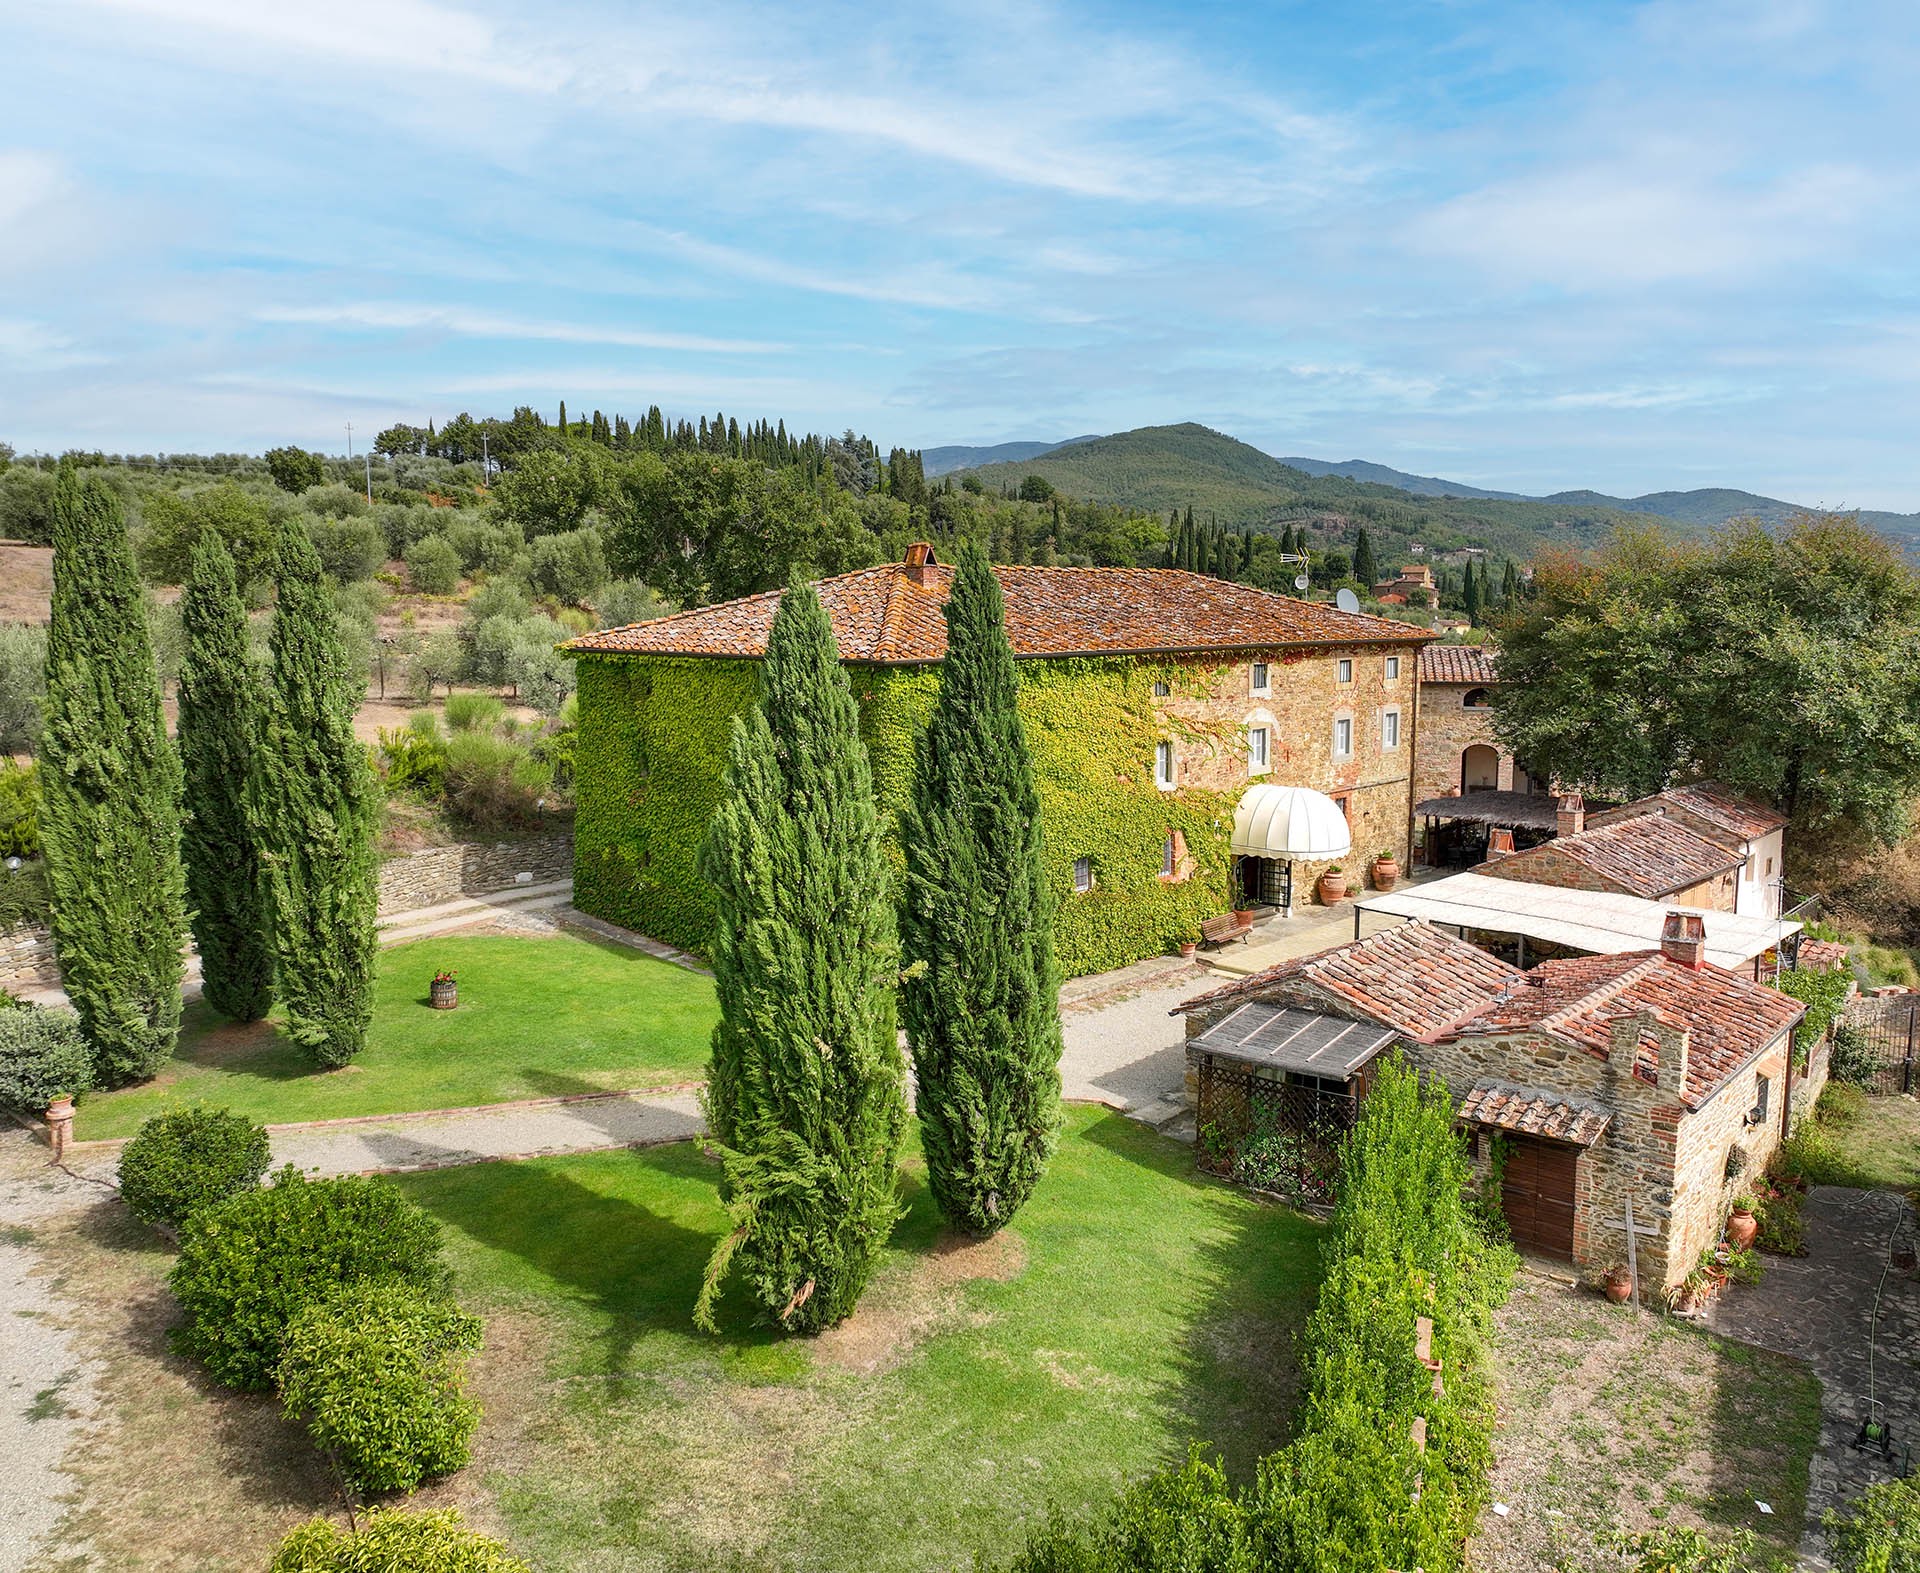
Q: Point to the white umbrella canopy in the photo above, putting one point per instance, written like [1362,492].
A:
[1291,823]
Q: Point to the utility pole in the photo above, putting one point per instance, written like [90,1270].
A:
[369,476]
[486,464]
[349,439]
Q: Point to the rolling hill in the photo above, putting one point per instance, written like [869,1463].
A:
[1384,475]
[941,461]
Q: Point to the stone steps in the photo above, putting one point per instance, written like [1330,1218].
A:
[424,922]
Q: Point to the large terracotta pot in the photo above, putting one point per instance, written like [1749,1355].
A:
[1386,873]
[1742,1226]
[1619,1287]
[1333,889]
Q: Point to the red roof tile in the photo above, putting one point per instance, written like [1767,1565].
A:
[1411,977]
[884,615]
[1534,1113]
[1741,817]
[1457,663]
[1648,855]
[1728,1018]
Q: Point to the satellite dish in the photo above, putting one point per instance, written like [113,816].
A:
[1347,601]
[1301,581]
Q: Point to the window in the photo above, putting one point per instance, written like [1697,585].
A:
[1260,679]
[1344,802]
[1343,671]
[1163,766]
[1769,868]
[1160,690]
[1762,1096]
[1258,751]
[1343,737]
[1393,669]
[1389,730]
[1474,699]
[1168,857]
[1083,875]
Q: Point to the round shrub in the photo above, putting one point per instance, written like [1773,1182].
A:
[1879,1532]
[42,1057]
[391,1540]
[189,1158]
[433,566]
[252,1263]
[375,1372]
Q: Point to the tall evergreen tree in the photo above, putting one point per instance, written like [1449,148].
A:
[1364,567]
[110,785]
[806,1091]
[317,811]
[219,748]
[1510,586]
[1470,596]
[981,989]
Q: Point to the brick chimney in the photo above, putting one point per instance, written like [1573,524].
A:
[1499,844]
[1570,815]
[920,563]
[1683,938]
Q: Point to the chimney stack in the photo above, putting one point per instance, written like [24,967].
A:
[1683,938]
[1499,844]
[1570,815]
[920,563]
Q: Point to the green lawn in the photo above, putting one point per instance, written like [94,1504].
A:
[1130,1309]
[538,1017]
[1875,1139]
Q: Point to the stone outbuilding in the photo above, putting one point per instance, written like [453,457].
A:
[1748,830]
[1653,855]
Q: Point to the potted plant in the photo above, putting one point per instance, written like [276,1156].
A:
[1742,1224]
[60,1124]
[443,995]
[1187,947]
[1386,870]
[1619,1285]
[1333,886]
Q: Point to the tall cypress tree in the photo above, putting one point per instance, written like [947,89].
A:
[806,1091]
[110,784]
[219,748]
[1364,568]
[1470,597]
[981,990]
[316,808]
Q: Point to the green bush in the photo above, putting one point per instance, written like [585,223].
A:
[391,1541]
[1783,1229]
[19,810]
[1841,1104]
[187,1159]
[42,1057]
[23,684]
[1673,1550]
[1854,1063]
[24,897]
[1810,1154]
[494,783]
[351,549]
[250,1264]
[571,567]
[413,758]
[433,566]
[375,1372]
[484,547]
[474,712]
[1879,1532]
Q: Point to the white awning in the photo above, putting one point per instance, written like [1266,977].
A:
[1596,921]
[1290,822]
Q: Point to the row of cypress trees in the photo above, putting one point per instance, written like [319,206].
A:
[807,1089]
[258,829]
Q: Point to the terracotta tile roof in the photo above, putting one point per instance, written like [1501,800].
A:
[1823,955]
[1728,1018]
[1531,1112]
[1457,663]
[1741,817]
[1411,977]
[887,615]
[1647,855]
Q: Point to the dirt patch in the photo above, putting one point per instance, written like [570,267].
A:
[915,1299]
[26,583]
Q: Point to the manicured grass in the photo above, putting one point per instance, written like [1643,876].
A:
[1129,1310]
[538,1017]
[1875,1138]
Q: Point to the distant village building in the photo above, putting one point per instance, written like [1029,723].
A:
[1411,586]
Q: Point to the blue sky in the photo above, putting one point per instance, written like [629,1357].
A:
[1525,245]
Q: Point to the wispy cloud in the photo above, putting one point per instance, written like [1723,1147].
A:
[401,317]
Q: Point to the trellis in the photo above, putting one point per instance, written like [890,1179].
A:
[1235,1104]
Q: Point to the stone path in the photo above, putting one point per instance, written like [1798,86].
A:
[1821,1308]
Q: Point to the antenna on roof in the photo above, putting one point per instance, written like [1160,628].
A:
[1301,581]
[1346,600]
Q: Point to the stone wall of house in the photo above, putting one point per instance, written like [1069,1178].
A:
[473,868]
[26,958]
[1447,730]
[1212,706]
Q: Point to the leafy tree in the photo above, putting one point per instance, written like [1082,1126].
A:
[1786,666]
[350,549]
[220,750]
[176,520]
[806,1093]
[980,994]
[550,490]
[1471,601]
[1364,567]
[317,807]
[433,565]
[401,438]
[23,685]
[570,566]
[295,469]
[110,784]
[26,505]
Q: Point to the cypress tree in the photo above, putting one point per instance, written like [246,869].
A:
[1510,587]
[110,784]
[1470,595]
[981,990]
[316,808]
[219,748]
[1364,568]
[806,1090]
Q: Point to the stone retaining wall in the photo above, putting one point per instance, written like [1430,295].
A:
[473,868]
[26,958]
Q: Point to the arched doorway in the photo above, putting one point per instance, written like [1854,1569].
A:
[1480,769]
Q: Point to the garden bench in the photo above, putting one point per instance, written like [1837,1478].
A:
[1217,931]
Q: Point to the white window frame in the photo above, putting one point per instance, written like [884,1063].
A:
[1082,876]
[1340,721]
[1260,677]
[1163,756]
[1260,762]
[1169,860]
[1390,720]
[1393,669]
[1343,669]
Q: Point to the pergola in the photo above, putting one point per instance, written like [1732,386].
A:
[1598,922]
[1513,810]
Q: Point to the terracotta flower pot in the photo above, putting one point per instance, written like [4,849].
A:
[1742,1226]
[1386,873]
[1243,914]
[1333,889]
[1187,947]
[1619,1287]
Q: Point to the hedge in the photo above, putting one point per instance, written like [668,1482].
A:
[1352,1493]
[389,1541]
[652,748]
[190,1158]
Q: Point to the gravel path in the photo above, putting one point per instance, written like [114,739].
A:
[1128,1053]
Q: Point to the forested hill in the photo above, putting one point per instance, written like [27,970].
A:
[1226,482]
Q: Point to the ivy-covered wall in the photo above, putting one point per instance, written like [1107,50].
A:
[652,753]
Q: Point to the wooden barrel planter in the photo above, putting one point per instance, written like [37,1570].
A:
[444,994]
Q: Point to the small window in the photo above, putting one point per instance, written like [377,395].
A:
[1163,765]
[1343,671]
[1258,752]
[1083,875]
[1769,868]
[1390,730]
[1160,690]
[1474,699]
[1762,1096]
[1260,679]
[1393,668]
[1343,737]
[1344,802]
[1168,857]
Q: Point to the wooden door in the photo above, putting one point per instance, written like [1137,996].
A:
[1536,1193]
